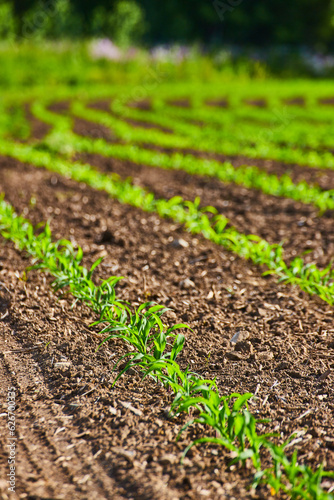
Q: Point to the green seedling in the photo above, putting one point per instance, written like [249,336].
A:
[144,331]
[287,475]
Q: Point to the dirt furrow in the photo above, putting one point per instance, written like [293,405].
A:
[93,130]
[299,226]
[39,129]
[324,178]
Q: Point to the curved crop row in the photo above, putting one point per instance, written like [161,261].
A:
[198,220]
[256,142]
[63,139]
[236,124]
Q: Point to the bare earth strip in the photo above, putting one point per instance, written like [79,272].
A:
[275,219]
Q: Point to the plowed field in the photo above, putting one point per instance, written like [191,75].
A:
[78,436]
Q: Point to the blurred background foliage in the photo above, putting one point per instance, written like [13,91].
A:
[80,41]
[257,23]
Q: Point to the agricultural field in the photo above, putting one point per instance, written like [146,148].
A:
[167,288]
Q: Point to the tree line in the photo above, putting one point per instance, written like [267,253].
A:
[257,23]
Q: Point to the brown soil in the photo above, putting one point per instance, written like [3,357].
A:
[294,101]
[250,211]
[92,129]
[100,105]
[179,103]
[38,129]
[324,178]
[78,437]
[219,103]
[147,125]
[328,100]
[60,107]
[84,127]
[258,103]
[144,105]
